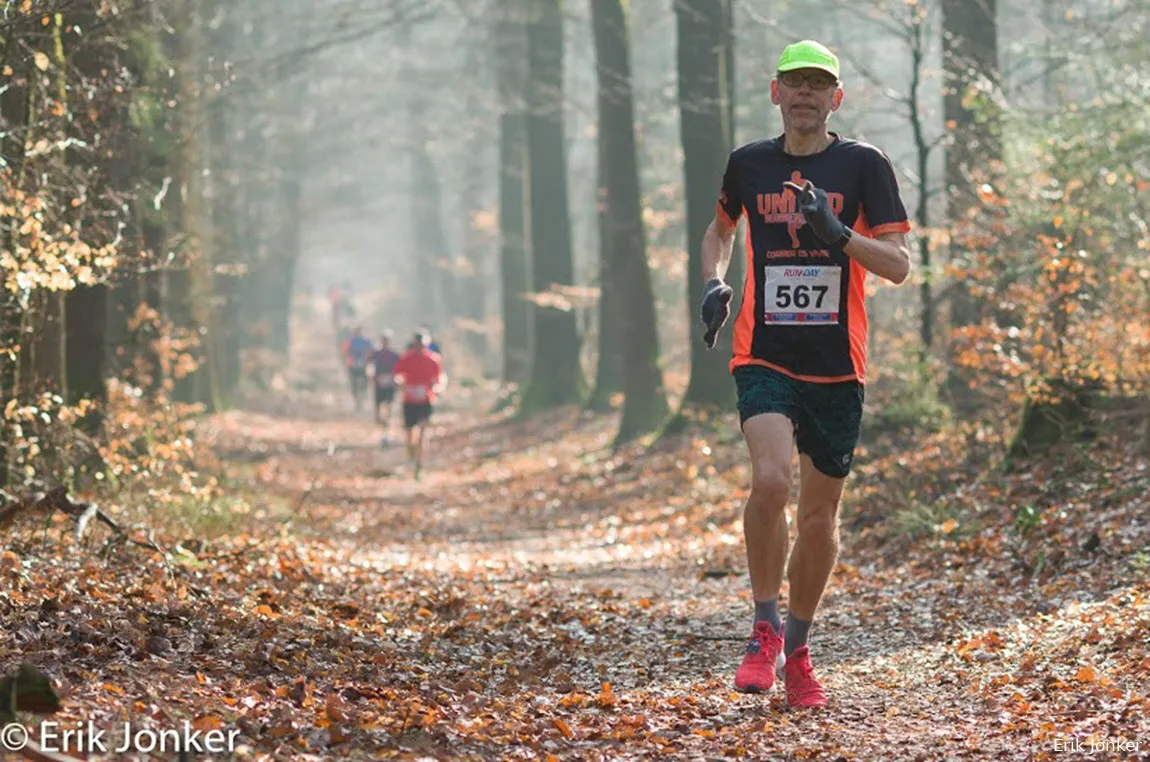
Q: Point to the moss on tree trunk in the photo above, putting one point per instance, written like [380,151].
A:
[1066,415]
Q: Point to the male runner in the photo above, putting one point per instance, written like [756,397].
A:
[421,372]
[822,211]
[356,354]
[432,344]
[384,360]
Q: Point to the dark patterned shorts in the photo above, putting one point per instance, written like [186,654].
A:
[827,417]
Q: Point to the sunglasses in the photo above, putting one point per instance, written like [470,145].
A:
[817,80]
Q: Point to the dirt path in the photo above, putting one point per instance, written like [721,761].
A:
[542,597]
[538,596]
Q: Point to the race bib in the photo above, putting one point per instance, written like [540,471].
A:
[417,393]
[798,295]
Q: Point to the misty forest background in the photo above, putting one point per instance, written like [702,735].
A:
[532,180]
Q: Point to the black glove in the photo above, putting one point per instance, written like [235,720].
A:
[716,308]
[817,212]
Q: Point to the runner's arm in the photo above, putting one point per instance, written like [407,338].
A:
[717,244]
[885,255]
[441,377]
[720,235]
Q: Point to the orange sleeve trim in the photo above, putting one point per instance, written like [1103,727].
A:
[857,323]
[745,323]
[890,227]
[720,210]
[739,361]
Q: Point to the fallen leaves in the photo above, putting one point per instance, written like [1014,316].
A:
[563,728]
[556,611]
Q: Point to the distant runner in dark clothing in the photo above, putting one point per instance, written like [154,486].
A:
[384,360]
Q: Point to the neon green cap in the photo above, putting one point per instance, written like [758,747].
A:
[808,54]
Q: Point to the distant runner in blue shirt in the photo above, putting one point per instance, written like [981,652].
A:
[359,351]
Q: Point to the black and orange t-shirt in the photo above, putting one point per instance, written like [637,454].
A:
[803,310]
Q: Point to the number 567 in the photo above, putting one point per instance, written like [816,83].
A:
[800,296]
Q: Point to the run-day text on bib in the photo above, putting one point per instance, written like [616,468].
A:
[801,294]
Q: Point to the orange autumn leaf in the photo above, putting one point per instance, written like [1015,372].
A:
[574,699]
[562,727]
[207,722]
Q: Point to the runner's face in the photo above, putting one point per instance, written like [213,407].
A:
[805,109]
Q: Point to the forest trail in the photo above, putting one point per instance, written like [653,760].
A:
[538,596]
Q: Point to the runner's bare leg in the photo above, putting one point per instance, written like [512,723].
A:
[817,540]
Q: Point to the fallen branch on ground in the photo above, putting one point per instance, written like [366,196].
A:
[56,499]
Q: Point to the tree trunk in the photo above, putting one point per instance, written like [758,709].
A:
[271,239]
[87,308]
[705,135]
[16,111]
[922,155]
[644,402]
[436,263]
[556,375]
[223,180]
[86,319]
[974,152]
[47,342]
[609,368]
[42,335]
[471,276]
[282,263]
[138,162]
[195,222]
[514,259]
[727,71]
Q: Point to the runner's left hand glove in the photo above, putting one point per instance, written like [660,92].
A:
[716,308]
[817,212]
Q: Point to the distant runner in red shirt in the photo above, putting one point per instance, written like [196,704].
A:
[420,373]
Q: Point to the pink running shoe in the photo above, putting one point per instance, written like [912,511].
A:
[803,688]
[762,661]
